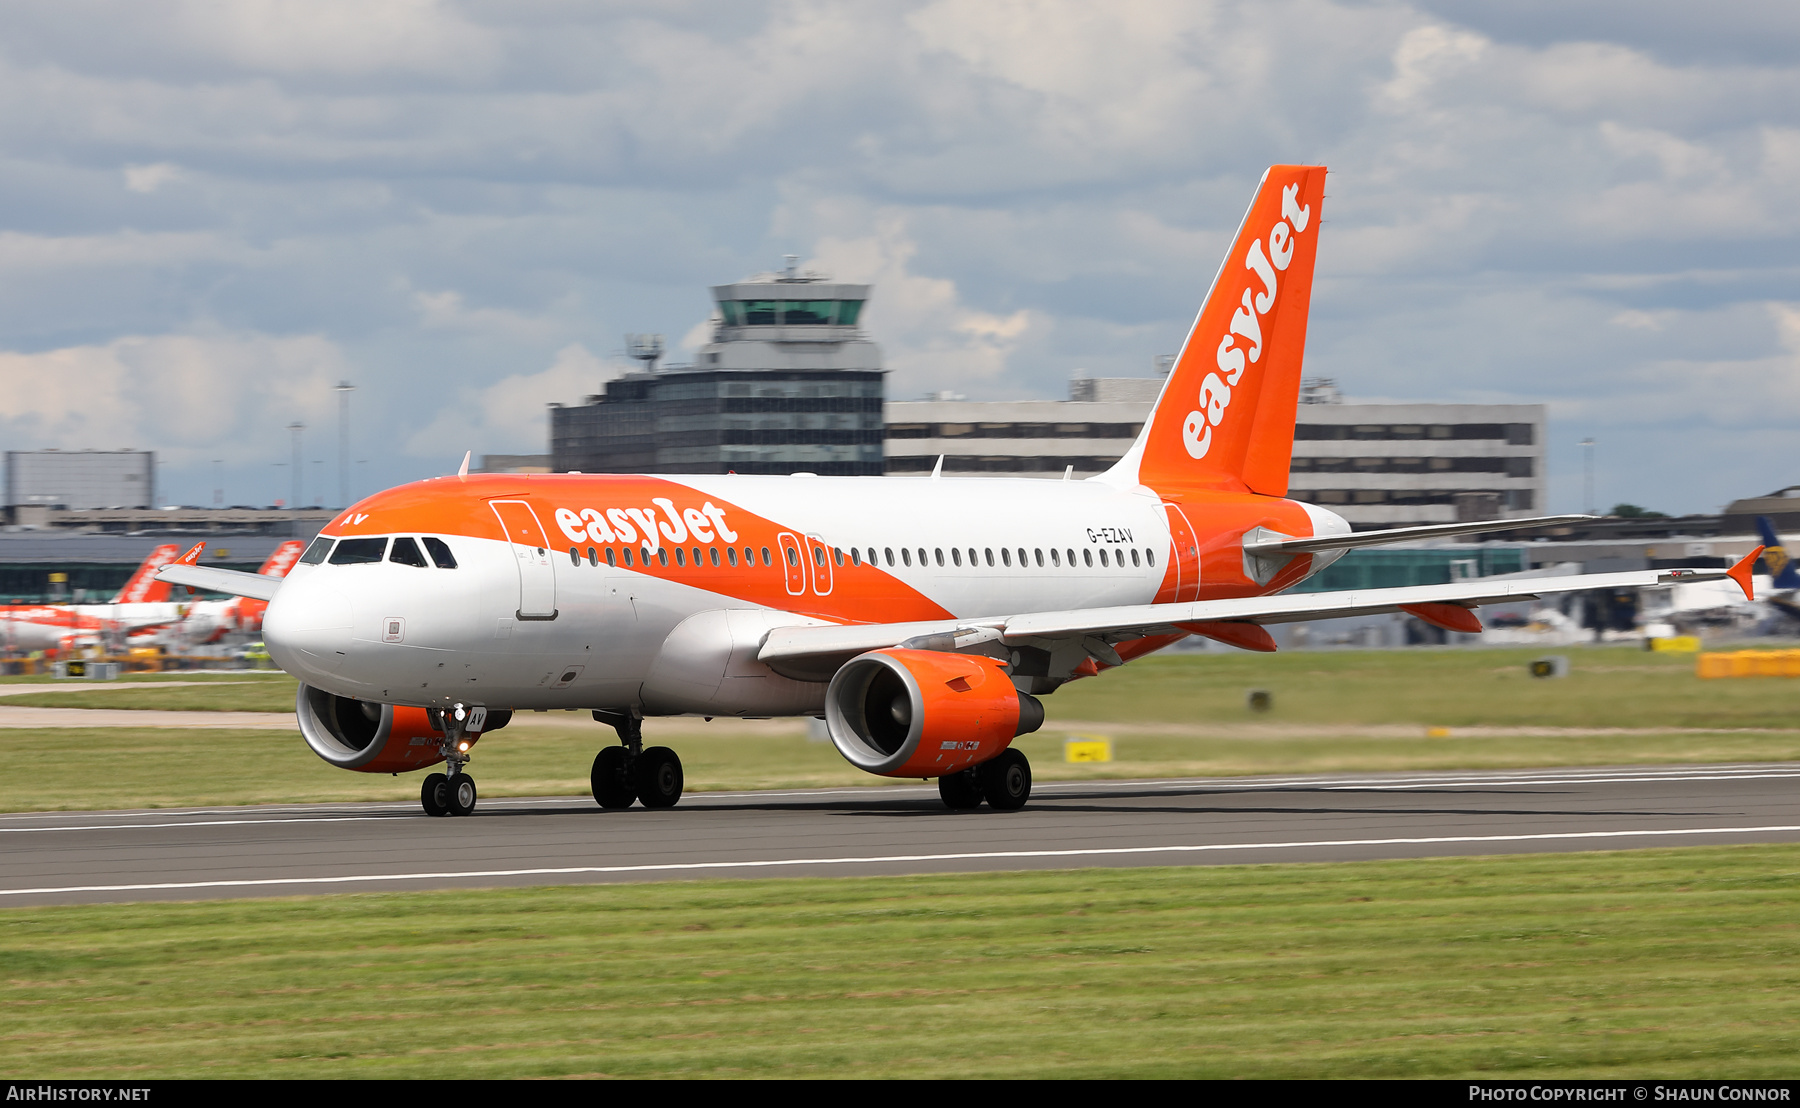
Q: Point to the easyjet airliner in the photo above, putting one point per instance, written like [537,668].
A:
[922,617]
[142,605]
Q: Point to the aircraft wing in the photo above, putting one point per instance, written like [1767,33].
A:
[234,581]
[811,650]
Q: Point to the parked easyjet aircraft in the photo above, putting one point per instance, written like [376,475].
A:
[142,603]
[921,617]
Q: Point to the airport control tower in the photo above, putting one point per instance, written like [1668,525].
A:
[789,383]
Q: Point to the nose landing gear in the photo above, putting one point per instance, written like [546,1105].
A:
[453,794]
[629,772]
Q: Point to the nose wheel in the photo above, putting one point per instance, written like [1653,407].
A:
[454,793]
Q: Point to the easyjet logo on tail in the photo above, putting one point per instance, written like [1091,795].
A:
[1225,419]
[1242,343]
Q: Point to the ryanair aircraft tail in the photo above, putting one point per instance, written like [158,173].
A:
[1225,419]
[1781,567]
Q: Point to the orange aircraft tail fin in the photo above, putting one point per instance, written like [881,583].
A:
[144,588]
[282,559]
[1225,419]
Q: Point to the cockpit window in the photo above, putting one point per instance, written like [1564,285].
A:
[440,553]
[352,552]
[315,553]
[406,552]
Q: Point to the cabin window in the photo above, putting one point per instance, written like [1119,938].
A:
[819,556]
[766,559]
[939,553]
[1021,557]
[873,560]
[1087,556]
[678,560]
[609,557]
[955,556]
[593,556]
[921,555]
[890,554]
[574,556]
[1039,554]
[1134,556]
[1103,557]
[406,552]
[990,555]
[1150,556]
[1005,556]
[855,556]
[662,556]
[731,556]
[837,554]
[973,557]
[793,556]
[353,552]
[317,552]
[626,552]
[906,556]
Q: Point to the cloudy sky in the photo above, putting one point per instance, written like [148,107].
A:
[212,211]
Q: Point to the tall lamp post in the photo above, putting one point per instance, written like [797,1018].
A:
[344,389]
[296,427]
[1587,446]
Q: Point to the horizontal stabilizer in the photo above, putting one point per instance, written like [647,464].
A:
[1266,547]
[233,581]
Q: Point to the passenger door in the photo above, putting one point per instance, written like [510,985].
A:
[531,552]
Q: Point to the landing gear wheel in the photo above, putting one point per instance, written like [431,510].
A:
[1006,781]
[612,786]
[461,790]
[657,775]
[961,791]
[434,795]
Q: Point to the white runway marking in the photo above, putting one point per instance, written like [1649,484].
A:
[990,855]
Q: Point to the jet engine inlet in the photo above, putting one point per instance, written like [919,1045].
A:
[925,713]
[365,736]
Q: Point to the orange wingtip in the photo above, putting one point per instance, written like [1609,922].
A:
[192,557]
[1741,572]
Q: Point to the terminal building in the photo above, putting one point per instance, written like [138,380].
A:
[1377,465]
[80,479]
[789,383]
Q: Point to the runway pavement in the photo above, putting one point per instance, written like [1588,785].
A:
[188,854]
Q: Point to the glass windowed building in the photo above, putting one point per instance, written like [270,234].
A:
[789,383]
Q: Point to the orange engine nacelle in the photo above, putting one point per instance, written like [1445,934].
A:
[924,713]
[373,738]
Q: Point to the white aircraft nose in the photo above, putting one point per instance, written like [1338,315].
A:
[307,630]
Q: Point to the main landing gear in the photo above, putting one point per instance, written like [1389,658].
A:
[1004,782]
[630,771]
[452,794]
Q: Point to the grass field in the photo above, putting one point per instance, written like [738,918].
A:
[1182,715]
[1665,963]
[1614,686]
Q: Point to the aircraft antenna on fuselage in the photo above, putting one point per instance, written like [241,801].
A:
[464,470]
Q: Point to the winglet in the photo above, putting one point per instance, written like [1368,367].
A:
[464,471]
[1741,572]
[192,557]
